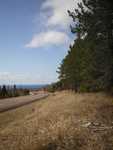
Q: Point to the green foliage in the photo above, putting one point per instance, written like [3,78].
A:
[55,87]
[8,91]
[84,88]
[50,89]
[88,66]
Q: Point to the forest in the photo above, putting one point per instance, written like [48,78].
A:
[12,91]
[88,65]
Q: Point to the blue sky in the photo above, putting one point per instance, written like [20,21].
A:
[34,38]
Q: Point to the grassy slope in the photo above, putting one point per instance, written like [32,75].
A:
[59,122]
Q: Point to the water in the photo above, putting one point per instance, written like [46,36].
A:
[31,86]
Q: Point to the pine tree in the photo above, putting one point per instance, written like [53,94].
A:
[4,91]
[89,61]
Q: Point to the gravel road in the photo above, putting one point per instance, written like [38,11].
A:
[12,103]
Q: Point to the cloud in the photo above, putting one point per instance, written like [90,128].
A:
[46,38]
[14,78]
[54,20]
[58,9]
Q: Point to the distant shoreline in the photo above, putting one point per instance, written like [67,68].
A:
[31,86]
[28,86]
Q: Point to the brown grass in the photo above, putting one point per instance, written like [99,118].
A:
[59,123]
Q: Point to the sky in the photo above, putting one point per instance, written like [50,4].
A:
[34,38]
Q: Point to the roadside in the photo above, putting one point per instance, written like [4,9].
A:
[63,121]
[15,102]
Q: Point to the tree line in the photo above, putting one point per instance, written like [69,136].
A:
[12,91]
[88,65]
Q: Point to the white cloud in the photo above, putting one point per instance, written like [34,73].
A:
[13,78]
[59,15]
[53,16]
[48,38]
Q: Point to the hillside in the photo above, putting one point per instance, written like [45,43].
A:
[63,121]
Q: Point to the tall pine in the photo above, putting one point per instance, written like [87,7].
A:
[89,62]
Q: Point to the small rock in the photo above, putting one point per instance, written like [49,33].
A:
[86,125]
[96,124]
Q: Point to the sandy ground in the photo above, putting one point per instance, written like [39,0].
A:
[63,121]
[12,103]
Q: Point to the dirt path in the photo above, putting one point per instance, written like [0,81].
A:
[12,103]
[64,121]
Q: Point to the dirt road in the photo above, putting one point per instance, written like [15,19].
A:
[12,103]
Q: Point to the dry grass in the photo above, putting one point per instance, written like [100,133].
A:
[58,123]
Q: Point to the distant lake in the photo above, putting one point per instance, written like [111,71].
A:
[31,86]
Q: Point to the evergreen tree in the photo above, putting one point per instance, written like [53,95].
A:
[89,61]
[4,91]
